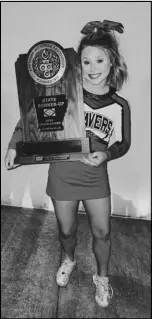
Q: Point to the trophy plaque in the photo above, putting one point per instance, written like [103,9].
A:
[49,83]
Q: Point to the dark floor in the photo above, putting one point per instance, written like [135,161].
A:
[31,256]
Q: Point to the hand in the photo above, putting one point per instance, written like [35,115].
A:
[9,158]
[95,159]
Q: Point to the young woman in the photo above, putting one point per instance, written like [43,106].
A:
[107,119]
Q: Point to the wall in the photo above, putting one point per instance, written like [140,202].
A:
[24,24]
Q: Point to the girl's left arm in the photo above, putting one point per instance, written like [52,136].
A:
[122,131]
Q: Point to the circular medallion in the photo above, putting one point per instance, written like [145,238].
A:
[46,62]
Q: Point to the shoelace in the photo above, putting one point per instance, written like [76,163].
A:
[64,264]
[110,290]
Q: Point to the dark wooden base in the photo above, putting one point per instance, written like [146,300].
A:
[46,152]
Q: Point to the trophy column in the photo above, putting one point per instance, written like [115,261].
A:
[50,95]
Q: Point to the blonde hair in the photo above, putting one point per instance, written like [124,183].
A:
[107,40]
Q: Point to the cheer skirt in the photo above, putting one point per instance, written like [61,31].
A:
[78,181]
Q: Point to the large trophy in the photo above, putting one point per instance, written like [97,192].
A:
[50,92]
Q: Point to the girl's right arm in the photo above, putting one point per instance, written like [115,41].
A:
[16,137]
[11,151]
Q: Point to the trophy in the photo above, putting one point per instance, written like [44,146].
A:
[49,83]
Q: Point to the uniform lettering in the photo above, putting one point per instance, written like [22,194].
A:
[109,127]
[89,119]
[98,122]
[104,124]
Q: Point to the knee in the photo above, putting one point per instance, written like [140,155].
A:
[103,234]
[67,233]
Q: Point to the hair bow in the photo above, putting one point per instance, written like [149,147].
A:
[95,27]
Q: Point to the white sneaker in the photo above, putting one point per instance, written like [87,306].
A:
[64,272]
[103,290]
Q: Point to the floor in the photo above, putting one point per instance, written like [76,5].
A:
[31,255]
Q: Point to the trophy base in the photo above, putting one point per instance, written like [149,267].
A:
[54,151]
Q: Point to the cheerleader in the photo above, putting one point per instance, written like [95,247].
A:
[108,125]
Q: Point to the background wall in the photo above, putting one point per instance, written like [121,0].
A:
[24,24]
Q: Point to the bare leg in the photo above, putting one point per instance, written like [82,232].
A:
[98,211]
[66,214]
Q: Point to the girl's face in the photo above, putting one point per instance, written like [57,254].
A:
[95,65]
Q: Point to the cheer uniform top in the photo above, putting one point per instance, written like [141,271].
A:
[108,124]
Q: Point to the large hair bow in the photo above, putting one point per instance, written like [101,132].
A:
[95,27]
